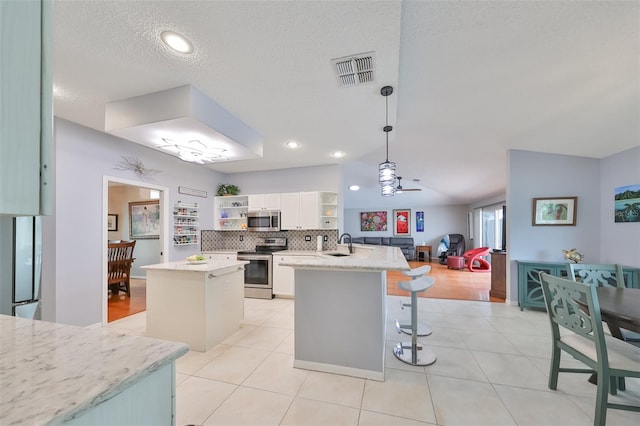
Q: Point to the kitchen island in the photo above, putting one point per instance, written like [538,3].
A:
[54,373]
[198,304]
[340,309]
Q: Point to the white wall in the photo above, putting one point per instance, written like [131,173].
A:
[533,174]
[83,157]
[620,242]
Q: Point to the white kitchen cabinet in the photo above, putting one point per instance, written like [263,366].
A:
[230,213]
[264,202]
[220,257]
[26,105]
[200,305]
[308,210]
[283,276]
[328,210]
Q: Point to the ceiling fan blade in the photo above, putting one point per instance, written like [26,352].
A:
[400,189]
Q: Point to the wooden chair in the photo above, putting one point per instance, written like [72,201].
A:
[603,354]
[120,259]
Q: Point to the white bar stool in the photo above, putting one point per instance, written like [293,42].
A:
[424,329]
[426,356]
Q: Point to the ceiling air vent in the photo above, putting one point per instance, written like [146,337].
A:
[356,69]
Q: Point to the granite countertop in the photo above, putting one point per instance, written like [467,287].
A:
[209,266]
[297,252]
[364,258]
[51,373]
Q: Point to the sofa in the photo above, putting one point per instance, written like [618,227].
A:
[404,243]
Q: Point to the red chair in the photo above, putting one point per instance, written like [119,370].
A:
[474,262]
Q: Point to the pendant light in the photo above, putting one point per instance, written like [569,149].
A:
[387,169]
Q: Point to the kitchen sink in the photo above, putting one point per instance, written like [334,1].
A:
[337,254]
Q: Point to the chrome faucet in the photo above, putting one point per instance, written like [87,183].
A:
[350,245]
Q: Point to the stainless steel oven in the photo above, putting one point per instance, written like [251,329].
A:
[258,273]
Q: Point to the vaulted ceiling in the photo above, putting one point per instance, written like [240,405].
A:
[471,80]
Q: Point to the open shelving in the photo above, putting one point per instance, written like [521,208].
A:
[186,229]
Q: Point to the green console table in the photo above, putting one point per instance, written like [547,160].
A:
[529,290]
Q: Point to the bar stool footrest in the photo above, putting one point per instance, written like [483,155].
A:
[421,357]
[424,329]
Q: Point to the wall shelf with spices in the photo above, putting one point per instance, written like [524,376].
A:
[231,212]
[186,229]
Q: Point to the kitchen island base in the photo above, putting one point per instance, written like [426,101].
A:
[199,305]
[340,319]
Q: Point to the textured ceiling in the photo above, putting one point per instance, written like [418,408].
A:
[471,79]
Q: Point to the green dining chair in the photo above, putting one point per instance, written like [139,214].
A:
[604,275]
[603,354]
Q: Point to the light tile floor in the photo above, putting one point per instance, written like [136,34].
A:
[491,369]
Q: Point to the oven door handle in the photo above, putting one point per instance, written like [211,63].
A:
[250,257]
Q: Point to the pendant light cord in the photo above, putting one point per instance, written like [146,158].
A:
[386,99]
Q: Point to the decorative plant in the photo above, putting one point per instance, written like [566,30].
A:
[228,189]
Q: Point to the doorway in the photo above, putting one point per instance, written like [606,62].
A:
[121,198]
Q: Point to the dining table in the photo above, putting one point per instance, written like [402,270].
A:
[619,309]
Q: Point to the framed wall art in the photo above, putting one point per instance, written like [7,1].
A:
[555,211]
[144,220]
[112,222]
[402,223]
[419,221]
[627,203]
[373,221]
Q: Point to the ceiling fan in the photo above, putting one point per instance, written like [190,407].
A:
[400,189]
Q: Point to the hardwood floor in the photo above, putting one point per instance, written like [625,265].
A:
[121,305]
[450,284]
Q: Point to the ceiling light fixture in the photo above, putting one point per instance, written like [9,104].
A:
[338,154]
[176,41]
[388,190]
[193,151]
[292,144]
[387,169]
[354,188]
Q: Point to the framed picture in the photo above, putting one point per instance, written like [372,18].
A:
[112,222]
[144,220]
[557,211]
[627,203]
[373,221]
[402,223]
[419,221]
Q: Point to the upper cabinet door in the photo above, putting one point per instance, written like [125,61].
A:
[290,211]
[25,84]
[264,202]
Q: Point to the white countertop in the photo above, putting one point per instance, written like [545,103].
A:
[52,372]
[210,266]
[364,258]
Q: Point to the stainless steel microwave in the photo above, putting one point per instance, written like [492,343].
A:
[262,221]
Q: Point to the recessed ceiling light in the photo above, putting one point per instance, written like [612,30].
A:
[177,42]
[292,144]
[338,154]
[354,188]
